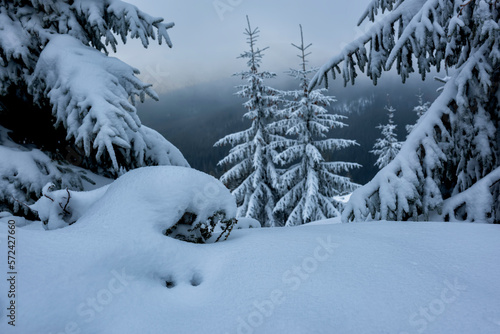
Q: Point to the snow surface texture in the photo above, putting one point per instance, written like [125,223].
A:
[114,273]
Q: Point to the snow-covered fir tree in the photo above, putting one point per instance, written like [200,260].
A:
[64,101]
[419,109]
[252,178]
[309,183]
[387,147]
[450,163]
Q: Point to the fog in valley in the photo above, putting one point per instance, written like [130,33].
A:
[194,118]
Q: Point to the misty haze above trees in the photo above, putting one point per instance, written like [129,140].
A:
[213,110]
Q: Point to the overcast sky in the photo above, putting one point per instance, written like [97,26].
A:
[208,36]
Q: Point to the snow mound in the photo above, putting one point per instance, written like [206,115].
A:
[142,200]
[60,208]
[247,222]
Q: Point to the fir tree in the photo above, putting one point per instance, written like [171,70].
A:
[252,178]
[450,162]
[387,147]
[63,101]
[310,183]
[420,110]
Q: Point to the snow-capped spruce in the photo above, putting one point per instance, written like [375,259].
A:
[54,54]
[450,161]
[309,183]
[252,177]
[419,109]
[387,147]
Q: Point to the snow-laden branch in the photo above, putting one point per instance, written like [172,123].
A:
[474,204]
[131,20]
[93,97]
[26,171]
[426,29]
[455,144]
[380,36]
[410,186]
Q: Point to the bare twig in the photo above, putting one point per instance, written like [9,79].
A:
[67,202]
[224,230]
[228,229]
[69,197]
[24,204]
[49,197]
[462,6]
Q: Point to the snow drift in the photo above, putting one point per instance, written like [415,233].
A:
[114,270]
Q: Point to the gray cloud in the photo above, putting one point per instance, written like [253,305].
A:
[208,36]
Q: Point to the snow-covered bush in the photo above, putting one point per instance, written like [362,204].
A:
[60,208]
[177,201]
[54,65]
[244,222]
[451,159]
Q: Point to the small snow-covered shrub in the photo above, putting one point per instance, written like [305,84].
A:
[60,208]
[188,228]
[246,222]
[178,202]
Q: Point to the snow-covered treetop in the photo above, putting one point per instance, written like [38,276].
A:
[422,106]
[255,54]
[388,146]
[432,31]
[302,73]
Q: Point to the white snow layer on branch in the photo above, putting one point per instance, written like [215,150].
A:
[474,204]
[93,97]
[139,24]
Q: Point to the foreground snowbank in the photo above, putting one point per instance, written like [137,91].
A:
[165,198]
[340,278]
